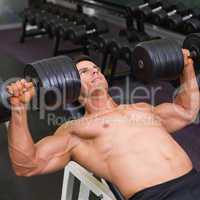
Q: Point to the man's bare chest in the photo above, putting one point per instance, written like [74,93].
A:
[120,118]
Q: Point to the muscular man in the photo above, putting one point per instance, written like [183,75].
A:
[128,145]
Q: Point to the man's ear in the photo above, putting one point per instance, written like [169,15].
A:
[82,98]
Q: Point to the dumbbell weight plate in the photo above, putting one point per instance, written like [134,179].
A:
[157,60]
[39,73]
[103,41]
[144,12]
[46,80]
[46,68]
[76,32]
[173,21]
[31,72]
[133,35]
[61,62]
[51,96]
[115,46]
[40,19]
[168,4]
[4,112]
[63,30]
[101,27]
[158,17]
[60,79]
[31,18]
[126,52]
[72,79]
[191,26]
[48,22]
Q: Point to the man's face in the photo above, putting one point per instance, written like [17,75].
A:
[92,80]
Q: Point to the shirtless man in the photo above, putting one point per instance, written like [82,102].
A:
[128,145]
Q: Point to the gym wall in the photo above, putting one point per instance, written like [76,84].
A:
[10,10]
[191,3]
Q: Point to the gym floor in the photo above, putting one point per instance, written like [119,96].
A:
[49,186]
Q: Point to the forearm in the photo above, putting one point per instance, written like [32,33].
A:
[188,98]
[21,145]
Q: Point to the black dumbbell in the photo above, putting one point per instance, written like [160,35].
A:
[27,11]
[101,42]
[158,18]
[135,9]
[39,12]
[34,14]
[63,28]
[92,27]
[42,18]
[177,21]
[133,35]
[163,59]
[126,52]
[52,78]
[56,22]
[50,7]
[53,26]
[30,15]
[46,19]
[192,25]
[145,12]
[116,45]
[49,24]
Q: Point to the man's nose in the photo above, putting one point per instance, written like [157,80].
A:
[94,71]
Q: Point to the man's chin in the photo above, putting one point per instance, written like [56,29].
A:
[99,89]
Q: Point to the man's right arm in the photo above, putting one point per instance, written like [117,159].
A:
[48,155]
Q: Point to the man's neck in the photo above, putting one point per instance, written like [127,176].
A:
[98,104]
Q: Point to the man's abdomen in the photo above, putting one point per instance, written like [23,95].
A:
[147,160]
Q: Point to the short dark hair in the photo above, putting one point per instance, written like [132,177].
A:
[82,57]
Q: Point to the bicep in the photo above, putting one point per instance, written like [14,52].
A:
[54,152]
[55,163]
[172,116]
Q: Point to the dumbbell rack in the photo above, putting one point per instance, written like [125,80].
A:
[31,33]
[34,31]
[114,14]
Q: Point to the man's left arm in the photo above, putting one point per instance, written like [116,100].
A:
[185,108]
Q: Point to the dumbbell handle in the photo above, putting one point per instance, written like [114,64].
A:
[175,10]
[156,9]
[95,30]
[87,32]
[185,18]
[7,95]
[143,5]
[91,31]
[171,12]
[193,55]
